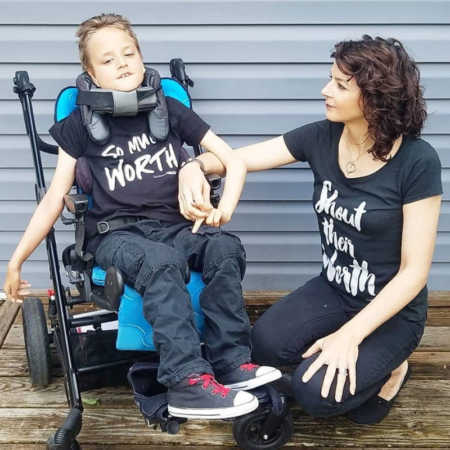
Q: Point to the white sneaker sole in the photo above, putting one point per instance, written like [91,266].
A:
[214,413]
[255,382]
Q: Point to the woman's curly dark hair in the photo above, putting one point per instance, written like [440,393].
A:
[392,98]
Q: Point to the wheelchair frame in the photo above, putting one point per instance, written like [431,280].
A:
[62,321]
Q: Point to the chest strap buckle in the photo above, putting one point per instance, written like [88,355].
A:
[103,227]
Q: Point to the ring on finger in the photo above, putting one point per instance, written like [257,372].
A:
[343,372]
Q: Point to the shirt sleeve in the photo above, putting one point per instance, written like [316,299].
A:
[184,155]
[423,179]
[302,141]
[184,122]
[70,134]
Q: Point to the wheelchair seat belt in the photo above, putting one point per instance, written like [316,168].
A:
[105,226]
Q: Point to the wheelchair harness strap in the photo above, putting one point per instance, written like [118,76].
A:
[105,226]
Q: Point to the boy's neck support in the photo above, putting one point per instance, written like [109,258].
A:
[95,102]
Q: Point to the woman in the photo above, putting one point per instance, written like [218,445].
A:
[377,193]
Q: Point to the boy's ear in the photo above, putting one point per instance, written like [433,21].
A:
[92,77]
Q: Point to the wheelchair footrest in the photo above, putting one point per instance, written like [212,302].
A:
[151,397]
[153,408]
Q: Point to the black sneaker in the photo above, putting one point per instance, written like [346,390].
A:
[249,376]
[202,397]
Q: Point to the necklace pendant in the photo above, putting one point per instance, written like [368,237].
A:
[350,168]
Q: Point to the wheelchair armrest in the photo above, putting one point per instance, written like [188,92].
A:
[114,287]
[77,204]
[215,182]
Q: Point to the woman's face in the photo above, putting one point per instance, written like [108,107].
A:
[342,97]
[115,62]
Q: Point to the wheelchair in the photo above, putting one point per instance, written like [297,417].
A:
[114,343]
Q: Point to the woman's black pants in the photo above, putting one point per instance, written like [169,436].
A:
[285,331]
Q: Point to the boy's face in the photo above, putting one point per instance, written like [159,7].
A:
[114,61]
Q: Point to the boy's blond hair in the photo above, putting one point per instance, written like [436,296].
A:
[90,26]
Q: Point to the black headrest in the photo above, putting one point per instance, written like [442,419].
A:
[95,102]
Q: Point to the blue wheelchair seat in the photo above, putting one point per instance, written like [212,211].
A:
[134,331]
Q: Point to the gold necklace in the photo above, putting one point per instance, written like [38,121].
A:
[350,166]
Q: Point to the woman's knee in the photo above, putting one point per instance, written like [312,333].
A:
[309,395]
[266,348]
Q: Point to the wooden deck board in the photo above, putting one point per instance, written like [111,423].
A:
[421,417]
[404,427]
[8,312]
[426,365]
[434,339]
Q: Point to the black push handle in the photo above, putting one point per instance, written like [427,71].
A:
[22,84]
[25,89]
[178,71]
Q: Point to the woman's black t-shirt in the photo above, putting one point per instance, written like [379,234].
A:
[360,219]
[133,175]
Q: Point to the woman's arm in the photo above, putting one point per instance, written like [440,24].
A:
[420,221]
[340,350]
[236,172]
[44,217]
[261,156]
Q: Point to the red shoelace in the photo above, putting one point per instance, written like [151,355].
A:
[210,380]
[249,366]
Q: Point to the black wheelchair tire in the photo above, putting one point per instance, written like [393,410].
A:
[74,445]
[246,431]
[36,338]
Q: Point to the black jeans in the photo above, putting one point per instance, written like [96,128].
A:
[285,331]
[154,258]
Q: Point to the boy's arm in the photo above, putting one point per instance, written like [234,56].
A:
[44,217]
[236,172]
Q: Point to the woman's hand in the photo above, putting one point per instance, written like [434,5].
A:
[15,288]
[193,192]
[236,172]
[219,216]
[339,352]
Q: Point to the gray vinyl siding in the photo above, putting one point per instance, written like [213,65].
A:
[259,67]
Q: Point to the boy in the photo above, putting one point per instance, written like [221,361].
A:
[150,242]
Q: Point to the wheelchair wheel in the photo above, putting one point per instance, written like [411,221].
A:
[247,431]
[36,341]
[74,445]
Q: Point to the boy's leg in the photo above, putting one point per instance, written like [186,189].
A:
[221,259]
[157,271]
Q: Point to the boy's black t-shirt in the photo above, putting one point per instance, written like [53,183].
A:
[133,175]
[360,219]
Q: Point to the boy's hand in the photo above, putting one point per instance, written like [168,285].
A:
[193,192]
[15,288]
